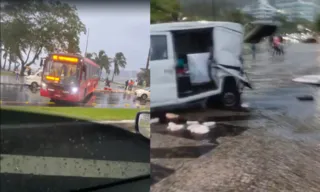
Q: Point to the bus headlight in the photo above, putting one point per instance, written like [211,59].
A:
[43,85]
[74,89]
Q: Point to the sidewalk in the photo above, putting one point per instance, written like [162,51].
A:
[11,80]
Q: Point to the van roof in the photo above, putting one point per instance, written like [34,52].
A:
[162,27]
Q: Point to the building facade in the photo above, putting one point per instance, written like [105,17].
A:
[305,9]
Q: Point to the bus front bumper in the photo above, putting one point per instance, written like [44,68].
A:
[60,95]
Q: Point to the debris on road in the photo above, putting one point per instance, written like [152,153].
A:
[174,127]
[192,122]
[245,105]
[305,98]
[209,124]
[155,120]
[171,116]
[198,129]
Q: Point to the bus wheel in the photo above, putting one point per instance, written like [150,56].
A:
[56,102]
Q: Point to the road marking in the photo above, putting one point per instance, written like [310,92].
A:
[72,167]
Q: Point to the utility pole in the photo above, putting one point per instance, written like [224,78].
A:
[85,53]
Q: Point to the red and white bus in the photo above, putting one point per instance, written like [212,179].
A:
[68,77]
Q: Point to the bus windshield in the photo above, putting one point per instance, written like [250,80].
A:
[65,71]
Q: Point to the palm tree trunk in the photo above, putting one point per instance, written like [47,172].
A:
[10,62]
[112,76]
[5,63]
[147,66]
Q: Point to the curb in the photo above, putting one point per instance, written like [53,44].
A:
[51,125]
[119,105]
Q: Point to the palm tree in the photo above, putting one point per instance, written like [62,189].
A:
[144,75]
[119,61]
[89,55]
[5,56]
[12,58]
[102,60]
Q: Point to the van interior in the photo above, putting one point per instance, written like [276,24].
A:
[192,42]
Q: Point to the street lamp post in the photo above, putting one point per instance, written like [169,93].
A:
[85,52]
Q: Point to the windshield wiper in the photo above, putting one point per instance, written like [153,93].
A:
[113,184]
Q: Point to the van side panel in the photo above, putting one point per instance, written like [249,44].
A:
[162,65]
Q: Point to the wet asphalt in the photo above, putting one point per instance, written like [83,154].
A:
[13,93]
[272,144]
[71,157]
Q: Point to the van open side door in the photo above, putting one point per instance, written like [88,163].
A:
[162,67]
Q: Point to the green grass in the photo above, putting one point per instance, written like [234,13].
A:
[68,113]
[6,73]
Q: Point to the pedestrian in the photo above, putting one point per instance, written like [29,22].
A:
[126,85]
[144,83]
[107,82]
[131,83]
[281,45]
[253,49]
[271,47]
[17,74]
[276,44]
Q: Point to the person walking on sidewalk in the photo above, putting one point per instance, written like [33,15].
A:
[17,74]
[253,50]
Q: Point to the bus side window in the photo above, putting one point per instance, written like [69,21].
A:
[87,71]
[91,75]
[90,71]
[159,47]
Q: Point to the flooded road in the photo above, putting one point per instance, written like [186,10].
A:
[272,145]
[23,95]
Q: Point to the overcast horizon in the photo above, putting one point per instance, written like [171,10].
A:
[117,28]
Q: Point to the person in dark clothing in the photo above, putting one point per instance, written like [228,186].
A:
[271,46]
[253,50]
[107,82]
[126,85]
[281,45]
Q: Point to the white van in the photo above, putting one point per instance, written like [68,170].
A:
[197,62]
[34,81]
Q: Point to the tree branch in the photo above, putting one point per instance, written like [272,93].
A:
[35,57]
[28,55]
[20,58]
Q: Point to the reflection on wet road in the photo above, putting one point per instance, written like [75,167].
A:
[20,95]
[270,146]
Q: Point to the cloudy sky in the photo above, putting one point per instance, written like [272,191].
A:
[118,28]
